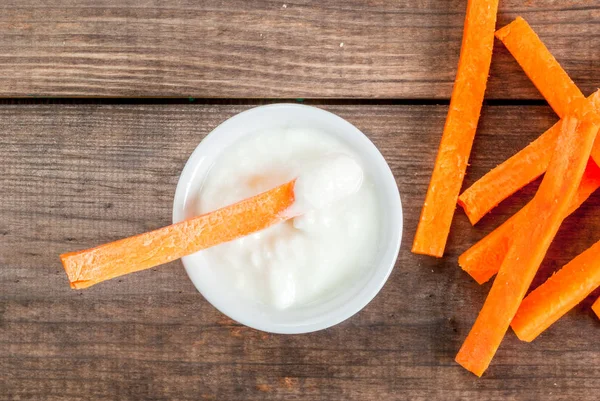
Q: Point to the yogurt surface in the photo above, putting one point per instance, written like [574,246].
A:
[332,240]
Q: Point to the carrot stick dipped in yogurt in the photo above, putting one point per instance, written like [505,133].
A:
[322,185]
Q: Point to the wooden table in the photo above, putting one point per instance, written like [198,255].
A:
[117,94]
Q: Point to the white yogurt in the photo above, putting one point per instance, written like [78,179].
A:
[332,241]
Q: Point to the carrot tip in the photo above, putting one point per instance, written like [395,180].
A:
[427,252]
[465,363]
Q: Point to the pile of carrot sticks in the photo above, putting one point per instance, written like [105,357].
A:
[567,156]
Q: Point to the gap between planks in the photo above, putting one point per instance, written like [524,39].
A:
[259,101]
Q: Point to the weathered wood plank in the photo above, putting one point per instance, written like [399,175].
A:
[74,176]
[263,48]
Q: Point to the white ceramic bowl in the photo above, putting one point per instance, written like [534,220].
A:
[315,316]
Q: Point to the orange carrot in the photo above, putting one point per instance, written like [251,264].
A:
[596,307]
[143,251]
[539,64]
[459,130]
[531,162]
[541,67]
[558,295]
[483,259]
[540,224]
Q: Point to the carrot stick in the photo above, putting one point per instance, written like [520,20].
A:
[539,64]
[459,130]
[532,161]
[482,261]
[596,307]
[541,67]
[558,295]
[143,251]
[540,224]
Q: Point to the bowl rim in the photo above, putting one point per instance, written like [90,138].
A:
[381,272]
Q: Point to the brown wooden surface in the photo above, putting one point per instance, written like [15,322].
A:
[77,175]
[403,49]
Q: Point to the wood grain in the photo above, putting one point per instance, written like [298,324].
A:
[404,49]
[78,175]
